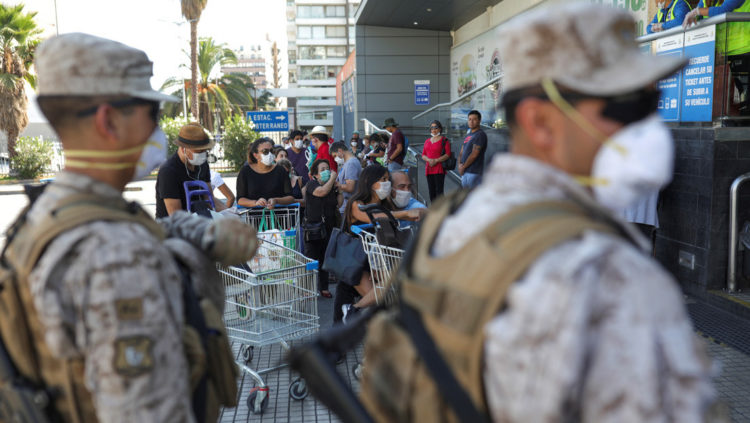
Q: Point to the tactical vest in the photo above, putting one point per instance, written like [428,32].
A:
[456,296]
[23,333]
[670,15]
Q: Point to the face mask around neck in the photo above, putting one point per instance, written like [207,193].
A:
[153,154]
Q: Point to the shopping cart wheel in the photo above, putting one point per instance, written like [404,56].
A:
[247,352]
[258,400]
[357,370]
[298,389]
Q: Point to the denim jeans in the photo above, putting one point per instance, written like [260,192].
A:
[393,167]
[470,180]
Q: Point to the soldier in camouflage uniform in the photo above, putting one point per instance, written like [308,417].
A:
[104,301]
[592,329]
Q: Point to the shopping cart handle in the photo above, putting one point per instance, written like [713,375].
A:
[357,229]
[278,206]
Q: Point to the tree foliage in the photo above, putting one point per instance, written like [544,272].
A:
[238,134]
[18,40]
[171,127]
[33,157]
[220,97]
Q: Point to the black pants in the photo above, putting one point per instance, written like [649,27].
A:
[345,294]
[436,184]
[316,250]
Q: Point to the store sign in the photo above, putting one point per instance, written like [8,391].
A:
[670,87]
[698,75]
[421,92]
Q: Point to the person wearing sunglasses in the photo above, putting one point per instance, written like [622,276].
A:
[539,299]
[260,182]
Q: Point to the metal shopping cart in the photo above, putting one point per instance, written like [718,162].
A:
[384,242]
[272,299]
[280,224]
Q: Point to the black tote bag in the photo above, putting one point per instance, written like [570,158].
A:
[345,257]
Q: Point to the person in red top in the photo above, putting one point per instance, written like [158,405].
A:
[319,138]
[436,150]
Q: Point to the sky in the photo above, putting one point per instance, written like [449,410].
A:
[158,28]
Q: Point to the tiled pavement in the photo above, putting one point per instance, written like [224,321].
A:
[727,339]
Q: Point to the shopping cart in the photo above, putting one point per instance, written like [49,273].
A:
[283,222]
[384,242]
[272,299]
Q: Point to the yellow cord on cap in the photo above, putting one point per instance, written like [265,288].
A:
[557,99]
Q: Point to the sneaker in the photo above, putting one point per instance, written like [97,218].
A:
[348,310]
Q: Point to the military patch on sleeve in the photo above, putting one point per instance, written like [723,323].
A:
[129,309]
[133,356]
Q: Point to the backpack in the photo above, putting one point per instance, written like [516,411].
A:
[61,395]
[424,357]
[450,162]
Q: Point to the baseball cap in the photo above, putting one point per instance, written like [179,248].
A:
[80,64]
[584,47]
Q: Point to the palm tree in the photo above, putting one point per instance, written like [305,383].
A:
[18,41]
[223,95]
[191,10]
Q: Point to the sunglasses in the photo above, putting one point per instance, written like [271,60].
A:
[624,108]
[265,151]
[128,102]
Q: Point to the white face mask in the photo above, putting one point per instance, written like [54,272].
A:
[339,160]
[267,159]
[634,163]
[402,198]
[298,144]
[153,155]
[198,158]
[354,146]
[384,190]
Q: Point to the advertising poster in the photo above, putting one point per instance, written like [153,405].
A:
[697,77]
[669,103]
[422,92]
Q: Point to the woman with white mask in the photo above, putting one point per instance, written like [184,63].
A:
[260,182]
[373,187]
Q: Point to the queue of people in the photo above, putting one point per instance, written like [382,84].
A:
[106,298]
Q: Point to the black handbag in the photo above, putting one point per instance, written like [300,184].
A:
[345,257]
[450,162]
[315,231]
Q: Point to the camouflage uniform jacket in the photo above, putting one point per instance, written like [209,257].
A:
[111,293]
[594,331]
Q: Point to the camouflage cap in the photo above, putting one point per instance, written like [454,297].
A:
[588,48]
[84,65]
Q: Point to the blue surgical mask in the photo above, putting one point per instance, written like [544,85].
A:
[325,176]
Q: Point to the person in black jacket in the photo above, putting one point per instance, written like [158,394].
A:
[323,199]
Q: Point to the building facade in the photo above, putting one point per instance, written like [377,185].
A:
[320,37]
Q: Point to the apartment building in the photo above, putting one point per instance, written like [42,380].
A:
[320,37]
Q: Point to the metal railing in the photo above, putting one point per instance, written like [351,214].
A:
[461,98]
[725,18]
[733,232]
